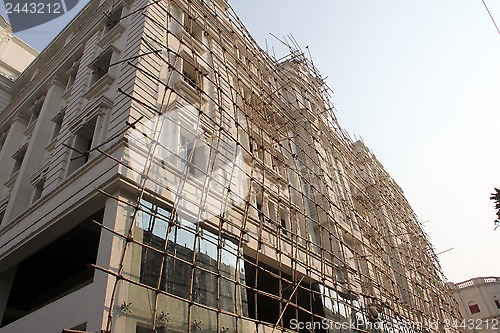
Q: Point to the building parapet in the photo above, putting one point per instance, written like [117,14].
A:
[475,282]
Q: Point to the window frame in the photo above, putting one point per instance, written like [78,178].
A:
[100,66]
[474,308]
[18,160]
[76,152]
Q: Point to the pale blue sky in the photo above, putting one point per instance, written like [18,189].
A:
[419,81]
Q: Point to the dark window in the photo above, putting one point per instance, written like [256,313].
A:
[112,19]
[193,28]
[283,226]
[58,119]
[191,75]
[272,298]
[81,327]
[82,145]
[497,302]
[190,24]
[282,220]
[18,159]
[259,211]
[474,308]
[35,113]
[55,271]
[100,66]
[2,138]
[72,72]
[37,194]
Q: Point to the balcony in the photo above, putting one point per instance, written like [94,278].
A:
[110,36]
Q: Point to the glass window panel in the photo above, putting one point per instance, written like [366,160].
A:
[229,260]
[150,267]
[205,288]
[183,237]
[327,301]
[207,245]
[227,295]
[343,311]
[178,275]
[176,278]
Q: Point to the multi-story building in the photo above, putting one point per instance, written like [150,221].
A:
[479,303]
[15,56]
[161,173]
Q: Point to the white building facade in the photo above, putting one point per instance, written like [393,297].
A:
[15,56]
[161,173]
[479,303]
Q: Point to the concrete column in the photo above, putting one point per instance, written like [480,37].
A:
[113,71]
[12,143]
[117,216]
[488,300]
[6,281]
[22,193]
[100,131]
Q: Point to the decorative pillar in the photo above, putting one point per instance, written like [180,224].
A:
[22,193]
[12,143]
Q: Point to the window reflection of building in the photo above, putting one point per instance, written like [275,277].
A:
[191,255]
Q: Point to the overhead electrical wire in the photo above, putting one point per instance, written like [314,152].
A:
[492,19]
